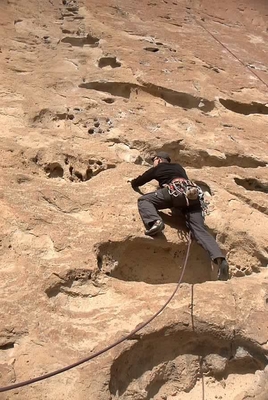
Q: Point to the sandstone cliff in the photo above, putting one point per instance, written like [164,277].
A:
[89,91]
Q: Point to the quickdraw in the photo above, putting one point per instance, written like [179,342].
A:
[191,191]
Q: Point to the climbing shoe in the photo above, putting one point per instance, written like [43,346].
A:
[223,272]
[157,227]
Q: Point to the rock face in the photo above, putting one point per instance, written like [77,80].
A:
[89,91]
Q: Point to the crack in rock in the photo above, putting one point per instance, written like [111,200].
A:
[125,89]
[198,158]
[250,202]
[244,108]
[252,184]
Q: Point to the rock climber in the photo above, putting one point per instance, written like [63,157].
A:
[177,191]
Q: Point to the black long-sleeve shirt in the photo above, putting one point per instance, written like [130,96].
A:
[164,173]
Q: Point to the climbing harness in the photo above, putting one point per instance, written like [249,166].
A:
[104,350]
[190,190]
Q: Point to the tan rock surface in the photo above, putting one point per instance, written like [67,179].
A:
[89,90]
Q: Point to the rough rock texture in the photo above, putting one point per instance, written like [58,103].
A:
[89,90]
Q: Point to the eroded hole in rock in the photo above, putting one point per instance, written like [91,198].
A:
[114,88]
[109,62]
[23,179]
[79,175]
[72,279]
[151,49]
[81,41]
[153,261]
[79,17]
[178,99]
[67,31]
[54,170]
[244,108]
[259,67]
[71,168]
[167,362]
[7,346]
[215,69]
[109,100]
[120,11]
[46,115]
[83,172]
[62,116]
[73,9]
[252,184]
[89,173]
[165,16]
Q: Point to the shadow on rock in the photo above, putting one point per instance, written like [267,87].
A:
[154,261]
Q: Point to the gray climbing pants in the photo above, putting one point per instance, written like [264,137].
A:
[150,203]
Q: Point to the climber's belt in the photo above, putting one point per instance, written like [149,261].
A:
[188,189]
[185,187]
